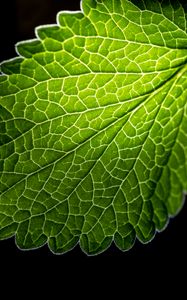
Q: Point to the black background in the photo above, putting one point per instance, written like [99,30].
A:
[166,252]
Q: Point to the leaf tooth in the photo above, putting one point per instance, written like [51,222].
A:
[65,18]
[11,66]
[52,31]
[29,48]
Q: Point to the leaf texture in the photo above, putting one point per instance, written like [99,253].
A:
[93,127]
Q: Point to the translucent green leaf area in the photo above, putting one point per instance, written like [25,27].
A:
[93,127]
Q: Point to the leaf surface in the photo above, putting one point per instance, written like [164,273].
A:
[93,127]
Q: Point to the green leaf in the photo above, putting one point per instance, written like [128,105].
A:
[93,127]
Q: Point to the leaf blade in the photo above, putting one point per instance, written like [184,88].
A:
[93,122]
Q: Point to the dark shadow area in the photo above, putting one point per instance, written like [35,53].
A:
[18,18]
